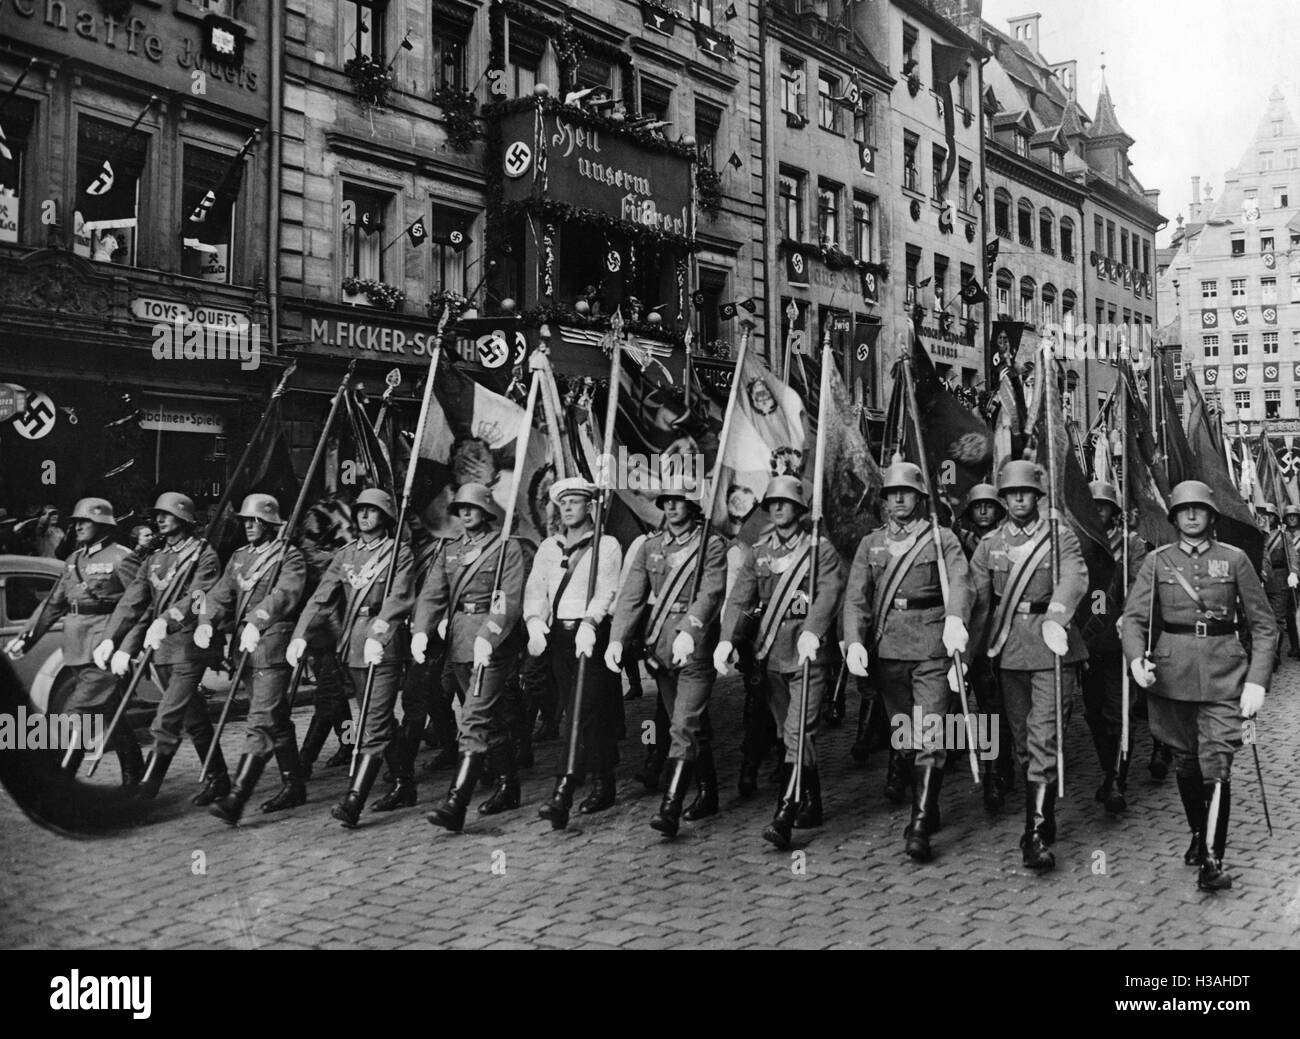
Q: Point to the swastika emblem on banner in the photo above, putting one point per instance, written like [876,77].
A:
[519,157]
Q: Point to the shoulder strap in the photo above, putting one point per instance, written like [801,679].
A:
[1183,583]
[357,596]
[672,588]
[463,578]
[1017,582]
[780,601]
[890,580]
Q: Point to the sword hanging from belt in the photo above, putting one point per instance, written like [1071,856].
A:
[284,536]
[521,455]
[924,463]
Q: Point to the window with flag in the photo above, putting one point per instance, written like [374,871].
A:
[1025,221]
[828,109]
[447,39]
[1240,344]
[864,119]
[17,118]
[210,186]
[524,54]
[913,274]
[938,157]
[963,185]
[1238,290]
[1046,227]
[1002,212]
[110,170]
[940,283]
[1272,403]
[1004,283]
[708,121]
[1067,239]
[829,195]
[365,220]
[1266,241]
[449,236]
[1268,290]
[1028,298]
[1210,345]
[864,224]
[702,11]
[791,186]
[1270,344]
[793,85]
[364,28]
[911,173]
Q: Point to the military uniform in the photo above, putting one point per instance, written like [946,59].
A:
[1279,564]
[331,709]
[94,580]
[657,586]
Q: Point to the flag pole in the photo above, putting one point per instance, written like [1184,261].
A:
[941,562]
[13,87]
[1054,533]
[1125,691]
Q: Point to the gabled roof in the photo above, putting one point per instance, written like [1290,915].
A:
[1052,135]
[1106,123]
[1014,120]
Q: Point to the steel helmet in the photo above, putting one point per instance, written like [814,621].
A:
[984,492]
[1191,492]
[571,485]
[1103,491]
[261,507]
[785,488]
[1021,476]
[97,510]
[177,505]
[475,494]
[1290,510]
[378,499]
[678,485]
[905,475]
[1269,508]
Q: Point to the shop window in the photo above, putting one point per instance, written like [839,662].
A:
[209,194]
[16,121]
[110,168]
[363,29]
[365,213]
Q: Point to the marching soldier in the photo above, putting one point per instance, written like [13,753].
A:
[894,608]
[97,575]
[1291,532]
[984,512]
[139,619]
[1200,679]
[772,581]
[1103,691]
[259,604]
[371,627]
[1023,619]
[565,626]
[482,639]
[678,631]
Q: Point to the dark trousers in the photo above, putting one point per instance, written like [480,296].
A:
[756,717]
[600,726]
[182,707]
[95,693]
[483,712]
[378,721]
[269,727]
[1204,735]
[331,697]
[1103,703]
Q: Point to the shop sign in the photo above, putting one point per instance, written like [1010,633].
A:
[180,418]
[144,308]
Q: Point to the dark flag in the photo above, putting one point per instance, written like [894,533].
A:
[735,161]
[1148,486]
[852,479]
[796,268]
[727,311]
[417,232]
[991,254]
[658,19]
[1270,473]
[948,62]
[1170,438]
[973,293]
[749,306]
[450,227]
[1236,525]
[269,471]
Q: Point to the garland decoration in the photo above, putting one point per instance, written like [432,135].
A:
[379,293]
[371,80]
[833,257]
[459,107]
[708,186]
[572,44]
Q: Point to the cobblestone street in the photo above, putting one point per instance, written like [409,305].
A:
[298,880]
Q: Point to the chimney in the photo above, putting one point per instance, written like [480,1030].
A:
[1194,210]
[1067,74]
[1024,29]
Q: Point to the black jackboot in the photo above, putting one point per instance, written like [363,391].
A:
[342,756]
[991,781]
[506,794]
[706,796]
[217,785]
[293,791]
[652,769]
[925,812]
[861,748]
[1214,837]
[450,815]
[780,829]
[602,794]
[249,770]
[318,730]
[898,778]
[1040,826]
[401,796]
[810,801]
[1160,758]
[557,808]
[1109,793]
[130,760]
[667,819]
[154,771]
[348,811]
[403,749]
[747,785]
[523,747]
[1189,789]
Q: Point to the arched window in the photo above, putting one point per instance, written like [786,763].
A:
[1049,304]
[1002,212]
[1067,239]
[1046,226]
[1069,305]
[1025,221]
[1004,283]
[1028,298]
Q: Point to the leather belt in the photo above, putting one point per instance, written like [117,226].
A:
[925,602]
[364,611]
[473,607]
[570,625]
[1202,629]
[678,607]
[1031,607]
[94,609]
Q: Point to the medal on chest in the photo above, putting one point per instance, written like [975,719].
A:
[1218,568]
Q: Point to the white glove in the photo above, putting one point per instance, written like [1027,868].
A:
[297,647]
[153,638]
[955,638]
[442,629]
[537,640]
[1056,638]
[121,663]
[419,646]
[1252,699]
[683,647]
[372,652]
[584,642]
[249,638]
[614,657]
[722,657]
[203,636]
[482,652]
[858,660]
[952,675]
[808,645]
[15,649]
[1292,581]
[1143,672]
[101,654]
